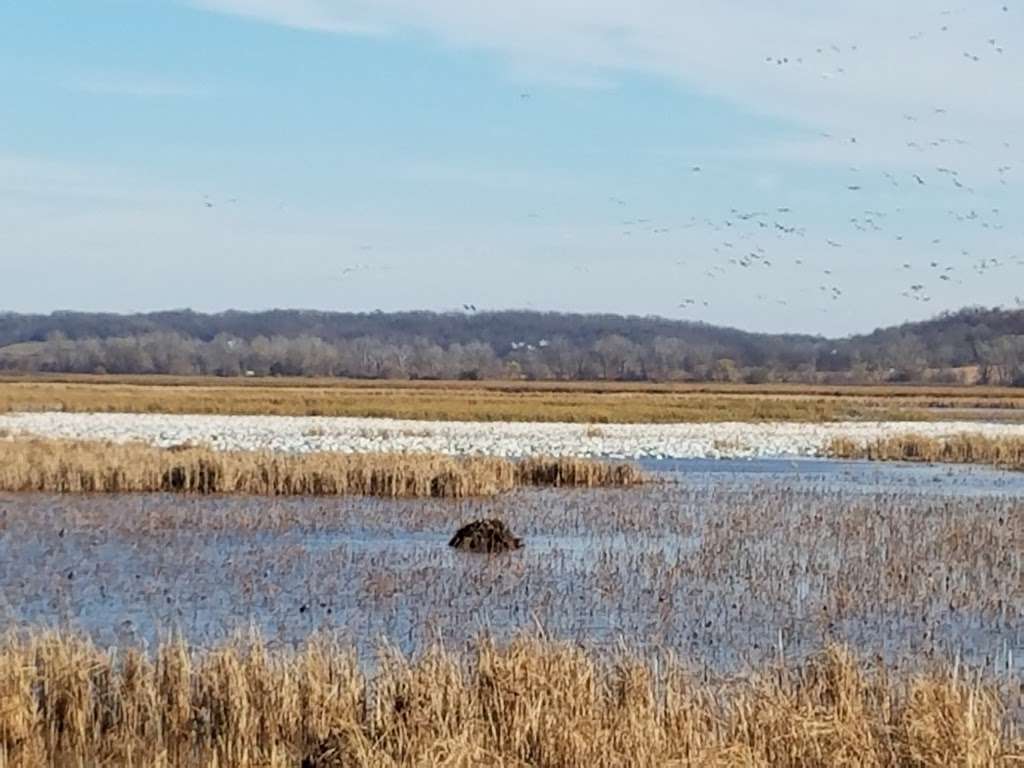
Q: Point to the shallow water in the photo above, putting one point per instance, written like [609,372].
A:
[728,563]
[849,476]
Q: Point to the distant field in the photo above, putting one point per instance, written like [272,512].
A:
[587,402]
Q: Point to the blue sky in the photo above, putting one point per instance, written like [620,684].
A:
[788,168]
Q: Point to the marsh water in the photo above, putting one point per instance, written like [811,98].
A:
[727,563]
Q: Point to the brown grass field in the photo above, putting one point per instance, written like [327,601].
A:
[530,703]
[1002,452]
[92,467]
[601,402]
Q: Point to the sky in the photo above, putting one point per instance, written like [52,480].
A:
[787,166]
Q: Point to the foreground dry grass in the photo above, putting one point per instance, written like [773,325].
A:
[506,401]
[88,467]
[1004,452]
[531,703]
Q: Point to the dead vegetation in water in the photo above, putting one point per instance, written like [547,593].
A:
[92,467]
[531,702]
[721,570]
[1003,452]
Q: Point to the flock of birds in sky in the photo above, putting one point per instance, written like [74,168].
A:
[741,242]
[748,240]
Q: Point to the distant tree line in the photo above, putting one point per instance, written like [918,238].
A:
[971,346]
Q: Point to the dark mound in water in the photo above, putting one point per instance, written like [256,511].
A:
[485,536]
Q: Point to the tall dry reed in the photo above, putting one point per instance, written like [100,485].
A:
[91,467]
[1006,452]
[531,703]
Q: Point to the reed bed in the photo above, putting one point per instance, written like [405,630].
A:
[582,403]
[1003,452]
[92,467]
[527,703]
[575,473]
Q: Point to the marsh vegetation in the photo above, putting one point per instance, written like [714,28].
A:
[1005,452]
[532,702]
[61,466]
[582,402]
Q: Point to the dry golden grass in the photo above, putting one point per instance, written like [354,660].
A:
[504,401]
[1004,452]
[531,703]
[935,391]
[91,467]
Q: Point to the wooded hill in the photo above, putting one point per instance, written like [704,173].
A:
[973,345]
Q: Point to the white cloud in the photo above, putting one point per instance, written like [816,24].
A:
[878,60]
[300,14]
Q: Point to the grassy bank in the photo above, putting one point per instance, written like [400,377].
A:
[609,402]
[66,702]
[1004,452]
[90,467]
